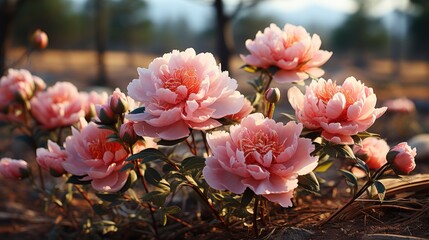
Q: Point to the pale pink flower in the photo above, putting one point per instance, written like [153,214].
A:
[92,156]
[404,162]
[182,90]
[244,111]
[292,50]
[373,151]
[13,168]
[59,106]
[92,99]
[337,111]
[51,158]
[259,154]
[401,105]
[17,87]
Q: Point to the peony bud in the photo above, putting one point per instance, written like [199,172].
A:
[14,169]
[39,39]
[105,115]
[272,95]
[127,133]
[118,102]
[401,157]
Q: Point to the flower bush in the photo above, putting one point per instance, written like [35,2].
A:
[183,130]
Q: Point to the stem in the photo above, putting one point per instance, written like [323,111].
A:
[270,110]
[206,147]
[42,182]
[255,217]
[152,213]
[270,79]
[25,54]
[84,195]
[369,183]
[194,144]
[190,182]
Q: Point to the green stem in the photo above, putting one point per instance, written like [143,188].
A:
[369,183]
[255,217]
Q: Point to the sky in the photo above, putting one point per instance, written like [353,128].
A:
[305,12]
[329,12]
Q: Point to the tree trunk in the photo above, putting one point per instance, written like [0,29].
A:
[101,41]
[8,11]
[224,43]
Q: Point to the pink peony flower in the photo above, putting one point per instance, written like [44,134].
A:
[59,106]
[182,90]
[292,50]
[374,151]
[244,112]
[401,105]
[403,162]
[90,154]
[92,99]
[15,88]
[51,158]
[259,154]
[13,169]
[338,111]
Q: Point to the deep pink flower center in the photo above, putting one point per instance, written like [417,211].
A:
[261,142]
[185,76]
[98,147]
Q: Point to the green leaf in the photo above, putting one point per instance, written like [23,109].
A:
[249,68]
[324,165]
[138,110]
[351,179]
[247,197]
[391,155]
[77,180]
[163,142]
[100,209]
[132,178]
[109,197]
[126,167]
[152,176]
[381,190]
[362,165]
[156,197]
[309,182]
[194,162]
[289,116]
[147,155]
[345,151]
[172,209]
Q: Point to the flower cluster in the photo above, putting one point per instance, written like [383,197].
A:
[183,122]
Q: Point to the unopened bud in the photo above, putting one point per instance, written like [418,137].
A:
[14,169]
[272,95]
[118,102]
[39,39]
[127,133]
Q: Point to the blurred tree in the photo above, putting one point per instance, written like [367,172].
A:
[225,43]
[128,25]
[419,29]
[100,8]
[8,11]
[245,27]
[360,34]
[59,19]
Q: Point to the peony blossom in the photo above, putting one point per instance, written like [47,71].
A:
[92,99]
[90,154]
[244,111]
[59,106]
[292,50]
[338,111]
[259,154]
[400,105]
[403,162]
[15,87]
[52,158]
[13,169]
[182,90]
[373,150]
